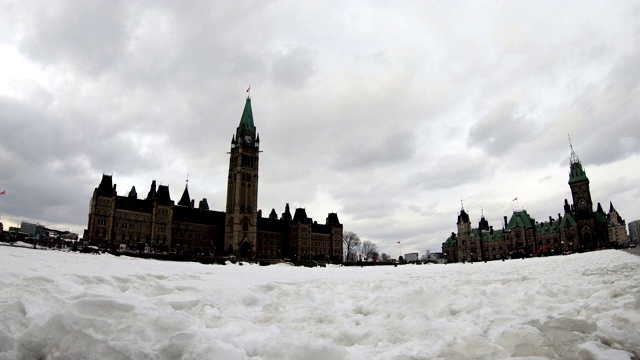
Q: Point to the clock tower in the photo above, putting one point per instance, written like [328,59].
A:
[580,192]
[242,188]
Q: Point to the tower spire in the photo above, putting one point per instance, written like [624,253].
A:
[246,121]
[574,158]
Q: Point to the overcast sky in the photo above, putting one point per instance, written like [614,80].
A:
[386,112]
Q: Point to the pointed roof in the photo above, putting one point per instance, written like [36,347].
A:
[133,193]
[106,185]
[163,196]
[463,217]
[567,220]
[576,173]
[246,122]
[286,215]
[301,216]
[185,200]
[520,219]
[332,219]
[152,191]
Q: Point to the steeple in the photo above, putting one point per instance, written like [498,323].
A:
[152,191]
[579,184]
[246,121]
[133,193]
[286,215]
[185,200]
[576,173]
[483,224]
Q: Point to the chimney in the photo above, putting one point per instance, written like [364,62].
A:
[505,222]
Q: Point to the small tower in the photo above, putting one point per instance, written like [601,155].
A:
[242,188]
[464,224]
[464,234]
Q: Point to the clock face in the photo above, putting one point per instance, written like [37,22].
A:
[248,139]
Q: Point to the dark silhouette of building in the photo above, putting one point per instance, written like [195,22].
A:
[157,223]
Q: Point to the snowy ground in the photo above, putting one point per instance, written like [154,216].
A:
[63,305]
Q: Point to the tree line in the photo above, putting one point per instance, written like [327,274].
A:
[357,250]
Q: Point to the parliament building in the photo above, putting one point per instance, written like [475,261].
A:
[157,223]
[579,228]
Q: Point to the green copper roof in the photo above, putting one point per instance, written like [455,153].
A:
[519,219]
[577,173]
[599,215]
[246,122]
[567,220]
[451,241]
[486,236]
[545,228]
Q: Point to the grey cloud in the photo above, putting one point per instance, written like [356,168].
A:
[362,151]
[498,131]
[293,68]
[605,118]
[450,171]
[88,35]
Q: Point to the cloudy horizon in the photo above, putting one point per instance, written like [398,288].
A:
[389,114]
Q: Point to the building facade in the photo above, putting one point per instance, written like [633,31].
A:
[579,228]
[634,231]
[160,224]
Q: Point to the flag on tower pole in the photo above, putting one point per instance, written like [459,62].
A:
[249,89]
[516,199]
[2,192]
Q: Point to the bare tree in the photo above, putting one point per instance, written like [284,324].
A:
[385,257]
[375,256]
[351,243]
[367,250]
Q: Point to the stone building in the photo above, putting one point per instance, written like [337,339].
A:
[617,228]
[578,228]
[156,222]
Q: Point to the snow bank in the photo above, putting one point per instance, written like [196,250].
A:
[67,305]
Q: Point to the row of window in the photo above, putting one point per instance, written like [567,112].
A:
[248,161]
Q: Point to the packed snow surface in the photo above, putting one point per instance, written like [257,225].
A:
[64,305]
